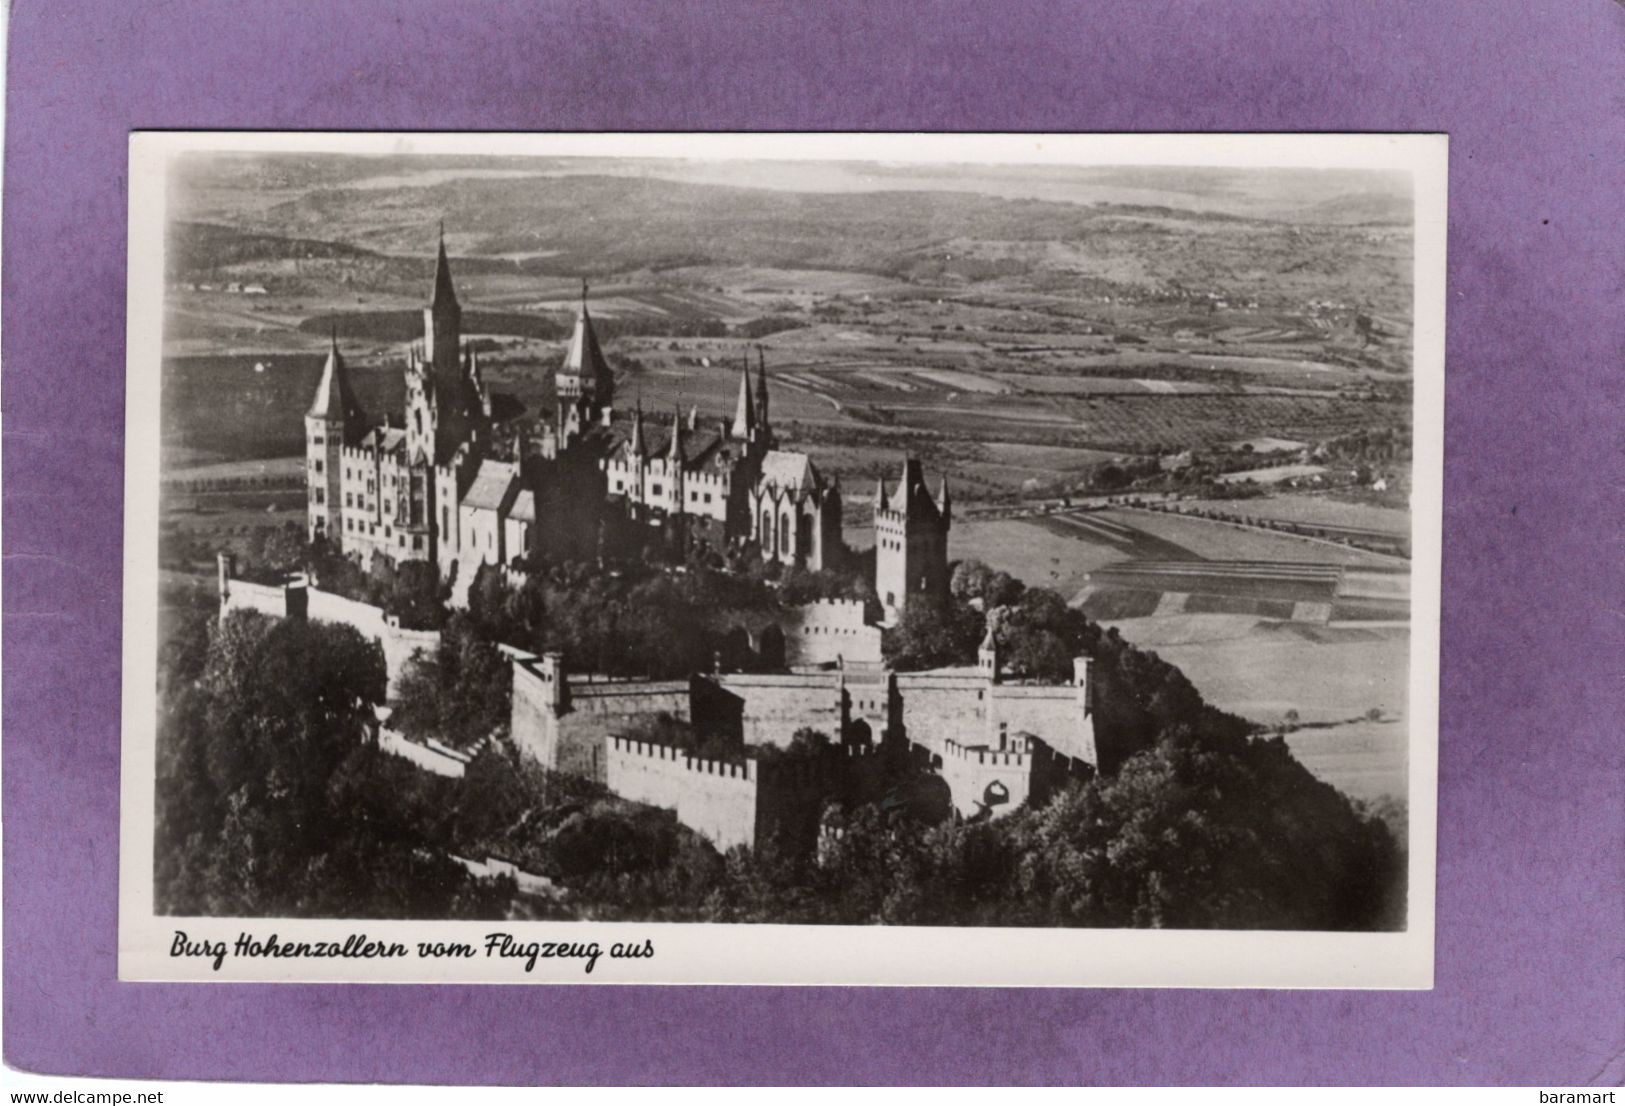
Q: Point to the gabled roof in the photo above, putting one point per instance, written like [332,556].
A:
[790,471]
[495,487]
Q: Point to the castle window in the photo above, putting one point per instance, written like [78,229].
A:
[316,440]
[349,500]
[417,542]
[320,496]
[654,490]
[318,463]
[708,497]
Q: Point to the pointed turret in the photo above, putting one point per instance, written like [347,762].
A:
[675,452]
[912,485]
[880,494]
[744,411]
[585,371]
[943,504]
[443,293]
[694,417]
[335,402]
[637,429]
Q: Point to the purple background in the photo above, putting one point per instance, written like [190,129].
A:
[1531,947]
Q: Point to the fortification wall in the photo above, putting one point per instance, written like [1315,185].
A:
[571,738]
[267,599]
[830,630]
[986,782]
[935,709]
[436,758]
[1060,716]
[871,704]
[774,707]
[716,799]
[532,723]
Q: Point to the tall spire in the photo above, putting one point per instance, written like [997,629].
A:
[942,499]
[761,387]
[880,494]
[637,429]
[676,451]
[744,412]
[443,292]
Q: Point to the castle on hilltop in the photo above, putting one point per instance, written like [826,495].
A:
[451,483]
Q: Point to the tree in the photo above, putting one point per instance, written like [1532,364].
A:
[273,801]
[414,595]
[459,693]
[934,632]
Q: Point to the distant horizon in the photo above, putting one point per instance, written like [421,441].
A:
[1271,193]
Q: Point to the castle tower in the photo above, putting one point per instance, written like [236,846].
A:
[443,324]
[333,422]
[584,374]
[911,541]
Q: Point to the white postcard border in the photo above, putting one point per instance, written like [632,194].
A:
[780,954]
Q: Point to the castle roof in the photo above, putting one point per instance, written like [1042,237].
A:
[524,506]
[585,357]
[495,487]
[385,439]
[698,449]
[790,471]
[334,399]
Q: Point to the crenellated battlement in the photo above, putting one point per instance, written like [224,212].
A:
[986,757]
[679,758]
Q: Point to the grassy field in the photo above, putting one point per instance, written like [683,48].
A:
[1317,510]
[1331,676]
[1222,542]
[1273,475]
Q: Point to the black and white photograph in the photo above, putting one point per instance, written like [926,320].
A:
[784,558]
